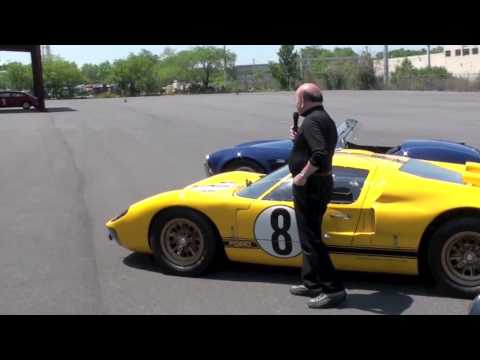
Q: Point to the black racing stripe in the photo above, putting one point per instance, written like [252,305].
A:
[372,252]
[408,253]
[373,248]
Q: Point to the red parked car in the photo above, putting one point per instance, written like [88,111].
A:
[17,99]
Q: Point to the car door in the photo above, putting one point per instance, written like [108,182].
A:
[4,99]
[20,99]
[270,221]
[343,221]
[16,99]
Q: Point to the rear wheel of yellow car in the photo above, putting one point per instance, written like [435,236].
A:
[454,257]
[183,242]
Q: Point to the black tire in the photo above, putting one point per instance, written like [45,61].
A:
[244,165]
[444,266]
[26,106]
[162,250]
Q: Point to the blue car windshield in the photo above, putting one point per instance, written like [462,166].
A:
[259,187]
[430,171]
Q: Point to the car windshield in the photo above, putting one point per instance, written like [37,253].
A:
[430,171]
[259,187]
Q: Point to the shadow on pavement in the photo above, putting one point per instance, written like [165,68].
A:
[59,109]
[227,271]
[50,110]
[380,302]
[390,293]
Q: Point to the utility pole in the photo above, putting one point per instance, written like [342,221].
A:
[302,67]
[428,53]
[225,66]
[46,51]
[385,65]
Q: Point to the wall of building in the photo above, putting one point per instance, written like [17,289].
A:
[463,65]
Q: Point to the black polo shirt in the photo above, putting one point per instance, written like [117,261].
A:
[316,141]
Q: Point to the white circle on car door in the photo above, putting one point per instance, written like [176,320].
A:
[276,232]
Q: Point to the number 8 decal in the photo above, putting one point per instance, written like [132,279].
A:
[276,232]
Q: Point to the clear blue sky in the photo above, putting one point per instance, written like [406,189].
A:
[246,54]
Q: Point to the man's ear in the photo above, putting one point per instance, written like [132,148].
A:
[301,101]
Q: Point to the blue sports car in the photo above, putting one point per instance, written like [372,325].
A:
[266,156]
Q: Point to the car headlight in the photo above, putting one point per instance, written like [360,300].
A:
[120,216]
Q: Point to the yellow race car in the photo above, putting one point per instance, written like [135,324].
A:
[389,214]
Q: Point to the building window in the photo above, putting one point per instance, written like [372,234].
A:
[466,52]
[448,53]
[458,52]
[475,51]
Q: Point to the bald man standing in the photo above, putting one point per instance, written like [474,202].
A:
[311,167]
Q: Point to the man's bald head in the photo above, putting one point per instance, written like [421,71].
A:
[308,95]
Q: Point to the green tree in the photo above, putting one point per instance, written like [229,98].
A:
[405,52]
[344,52]
[407,77]
[18,76]
[122,76]
[433,72]
[405,70]
[61,75]
[90,73]
[105,72]
[209,61]
[287,69]
[137,73]
[95,74]
[278,74]
[362,74]
[315,51]
[3,79]
[340,68]
[167,52]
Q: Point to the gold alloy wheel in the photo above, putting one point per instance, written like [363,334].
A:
[182,242]
[461,258]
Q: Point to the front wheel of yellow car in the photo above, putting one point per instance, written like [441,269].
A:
[454,257]
[183,242]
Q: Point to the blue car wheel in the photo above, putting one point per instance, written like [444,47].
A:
[244,165]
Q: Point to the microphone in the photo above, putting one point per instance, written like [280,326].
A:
[295,121]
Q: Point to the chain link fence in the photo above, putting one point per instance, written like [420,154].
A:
[468,82]
[349,73]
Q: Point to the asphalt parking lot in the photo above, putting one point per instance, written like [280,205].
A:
[65,172]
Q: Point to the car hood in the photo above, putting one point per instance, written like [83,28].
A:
[284,143]
[224,183]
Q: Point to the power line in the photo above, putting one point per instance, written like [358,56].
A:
[385,64]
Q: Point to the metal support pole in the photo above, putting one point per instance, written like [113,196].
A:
[38,90]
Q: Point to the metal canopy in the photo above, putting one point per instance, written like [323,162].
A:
[37,71]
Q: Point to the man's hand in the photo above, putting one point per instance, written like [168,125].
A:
[299,180]
[293,133]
